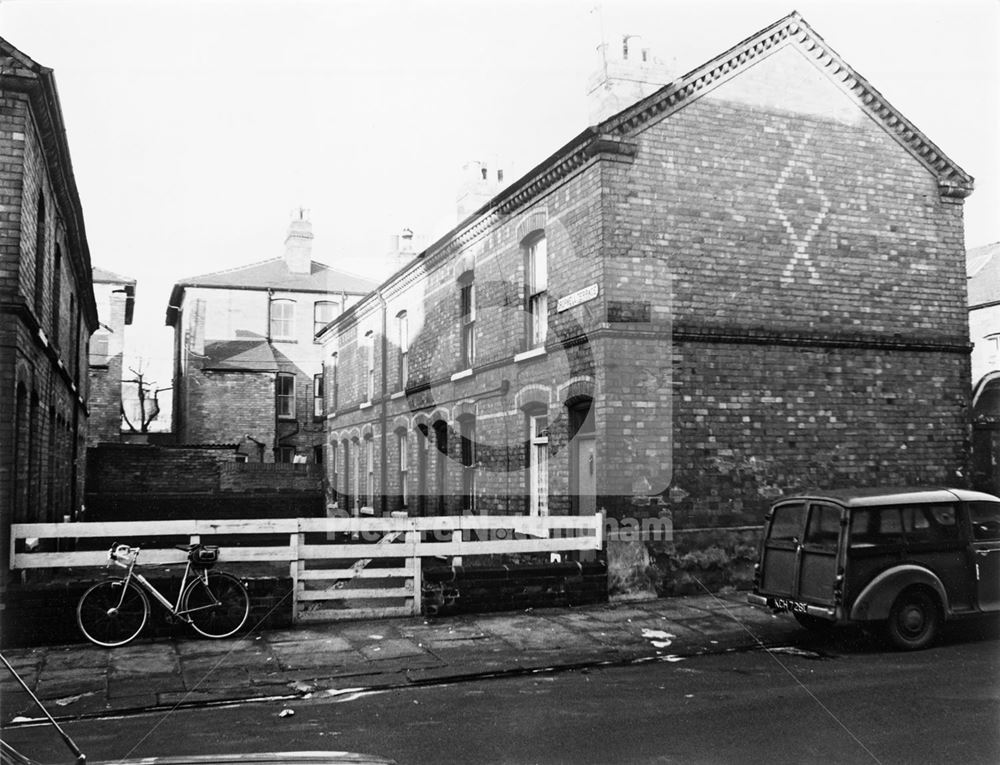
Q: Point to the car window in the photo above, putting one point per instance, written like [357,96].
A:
[824,526]
[985,519]
[929,523]
[876,526]
[786,521]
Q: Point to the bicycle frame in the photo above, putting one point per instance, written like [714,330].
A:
[149,587]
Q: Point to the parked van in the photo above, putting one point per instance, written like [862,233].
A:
[902,559]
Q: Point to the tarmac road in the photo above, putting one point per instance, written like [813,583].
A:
[830,701]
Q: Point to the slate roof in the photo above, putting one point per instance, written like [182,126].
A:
[239,356]
[273,274]
[983,268]
[104,276]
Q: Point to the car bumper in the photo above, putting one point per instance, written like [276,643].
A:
[779,605]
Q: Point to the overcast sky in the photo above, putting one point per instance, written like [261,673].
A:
[197,126]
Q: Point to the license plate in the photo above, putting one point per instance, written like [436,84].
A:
[783,604]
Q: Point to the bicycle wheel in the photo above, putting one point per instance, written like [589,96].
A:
[218,609]
[111,614]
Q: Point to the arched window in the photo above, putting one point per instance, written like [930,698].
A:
[403,340]
[403,453]
[538,461]
[40,257]
[370,374]
[324,311]
[467,427]
[536,275]
[467,307]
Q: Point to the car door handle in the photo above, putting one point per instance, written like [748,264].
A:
[984,553]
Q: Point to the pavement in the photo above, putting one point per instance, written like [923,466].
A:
[80,681]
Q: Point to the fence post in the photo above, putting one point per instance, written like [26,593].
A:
[413,538]
[295,567]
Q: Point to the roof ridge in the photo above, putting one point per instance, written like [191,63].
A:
[227,270]
[952,179]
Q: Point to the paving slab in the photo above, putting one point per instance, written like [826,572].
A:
[390,649]
[54,685]
[77,657]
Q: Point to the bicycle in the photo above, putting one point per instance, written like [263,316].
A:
[113,612]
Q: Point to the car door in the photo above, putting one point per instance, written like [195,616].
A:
[818,554]
[779,562]
[984,518]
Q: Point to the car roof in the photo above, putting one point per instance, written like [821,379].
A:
[892,496]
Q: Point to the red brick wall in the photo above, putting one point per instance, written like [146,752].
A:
[43,427]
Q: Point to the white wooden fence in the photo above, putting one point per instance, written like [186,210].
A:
[340,567]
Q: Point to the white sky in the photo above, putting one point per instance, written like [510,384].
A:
[197,126]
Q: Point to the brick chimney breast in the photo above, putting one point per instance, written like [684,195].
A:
[298,243]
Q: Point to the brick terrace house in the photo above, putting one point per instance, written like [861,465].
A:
[115,296]
[247,370]
[749,282]
[47,303]
[984,329]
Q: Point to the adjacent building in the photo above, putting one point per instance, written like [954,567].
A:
[984,329]
[748,282]
[115,297]
[247,370]
[47,306]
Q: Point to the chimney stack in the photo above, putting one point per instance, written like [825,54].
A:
[626,73]
[479,183]
[298,243]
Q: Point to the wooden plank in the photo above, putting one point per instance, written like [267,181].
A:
[316,575]
[346,614]
[148,556]
[126,529]
[355,552]
[356,594]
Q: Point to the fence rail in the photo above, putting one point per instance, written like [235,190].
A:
[332,562]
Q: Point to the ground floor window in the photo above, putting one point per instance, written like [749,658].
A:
[538,464]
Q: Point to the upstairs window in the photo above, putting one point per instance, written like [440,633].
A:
[334,383]
[370,374]
[537,284]
[318,395]
[285,395]
[467,304]
[282,319]
[403,339]
[40,259]
[324,311]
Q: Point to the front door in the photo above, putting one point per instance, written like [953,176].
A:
[586,475]
[985,521]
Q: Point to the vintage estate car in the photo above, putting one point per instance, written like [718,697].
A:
[902,559]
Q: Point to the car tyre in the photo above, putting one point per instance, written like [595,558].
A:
[914,620]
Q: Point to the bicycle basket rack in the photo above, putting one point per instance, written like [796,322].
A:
[204,556]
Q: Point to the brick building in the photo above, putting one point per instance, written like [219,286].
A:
[984,328]
[247,370]
[748,282]
[47,305]
[115,297]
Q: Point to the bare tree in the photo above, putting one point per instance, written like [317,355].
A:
[148,395]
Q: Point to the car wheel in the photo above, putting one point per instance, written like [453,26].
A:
[914,620]
[813,623]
